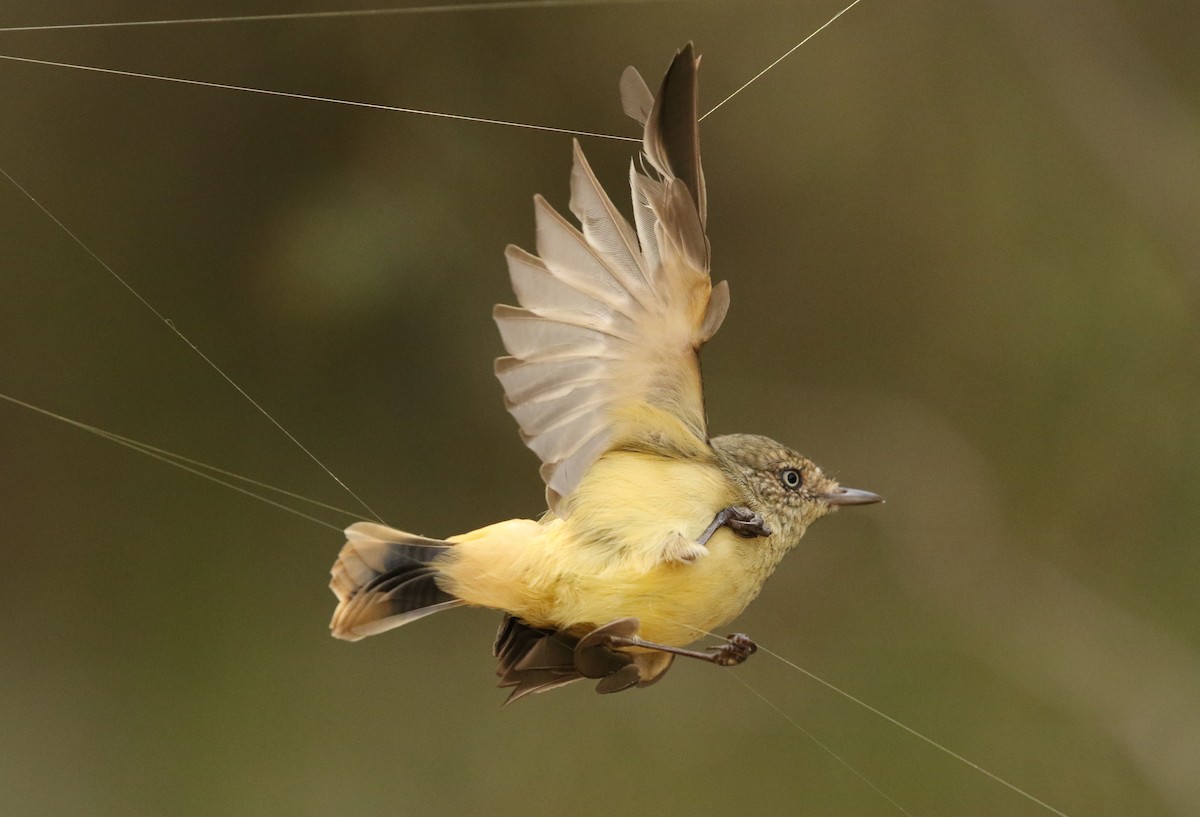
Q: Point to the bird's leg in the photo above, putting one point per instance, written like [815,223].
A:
[741,520]
[734,651]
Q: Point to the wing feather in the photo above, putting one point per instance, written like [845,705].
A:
[672,141]
[526,380]
[529,333]
[636,99]
[605,229]
[538,288]
[540,415]
[558,443]
[569,257]
[603,349]
[643,189]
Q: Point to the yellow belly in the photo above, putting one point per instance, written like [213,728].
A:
[676,603]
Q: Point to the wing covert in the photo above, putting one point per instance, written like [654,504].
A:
[603,348]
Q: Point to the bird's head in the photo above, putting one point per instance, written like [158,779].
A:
[787,488]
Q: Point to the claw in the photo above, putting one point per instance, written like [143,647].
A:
[739,519]
[746,523]
[736,650]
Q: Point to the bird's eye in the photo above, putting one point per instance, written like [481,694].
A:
[791,478]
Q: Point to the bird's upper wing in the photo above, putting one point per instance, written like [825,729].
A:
[604,347]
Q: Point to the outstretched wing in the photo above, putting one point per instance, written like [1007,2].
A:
[604,347]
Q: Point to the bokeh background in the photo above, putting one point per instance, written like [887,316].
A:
[963,241]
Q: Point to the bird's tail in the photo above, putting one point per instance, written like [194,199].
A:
[384,578]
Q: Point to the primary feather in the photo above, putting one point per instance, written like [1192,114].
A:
[612,316]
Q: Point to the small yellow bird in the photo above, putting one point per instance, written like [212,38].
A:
[655,534]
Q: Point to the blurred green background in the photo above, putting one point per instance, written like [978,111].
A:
[963,241]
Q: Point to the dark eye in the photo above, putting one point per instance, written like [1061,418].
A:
[791,478]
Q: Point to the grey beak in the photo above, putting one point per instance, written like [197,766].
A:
[850,496]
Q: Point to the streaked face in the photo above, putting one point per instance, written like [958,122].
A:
[790,490]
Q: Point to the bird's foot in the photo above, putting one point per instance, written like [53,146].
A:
[599,654]
[746,523]
[739,519]
[734,651]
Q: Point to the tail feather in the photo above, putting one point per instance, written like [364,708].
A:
[384,578]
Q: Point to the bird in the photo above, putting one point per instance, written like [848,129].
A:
[655,533]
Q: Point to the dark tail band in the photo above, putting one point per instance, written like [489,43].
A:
[385,578]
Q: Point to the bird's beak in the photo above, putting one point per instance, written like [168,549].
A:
[850,496]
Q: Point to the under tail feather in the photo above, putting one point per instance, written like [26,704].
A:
[384,578]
